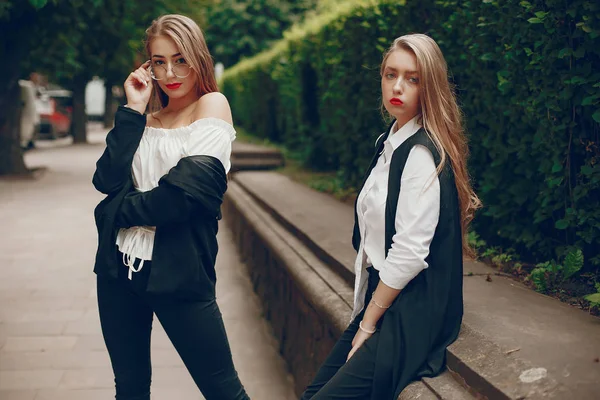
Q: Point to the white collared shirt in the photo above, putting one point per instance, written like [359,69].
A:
[416,217]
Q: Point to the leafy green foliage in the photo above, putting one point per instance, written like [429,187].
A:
[528,80]
[475,241]
[548,275]
[594,298]
[237,29]
[572,264]
[502,259]
[100,37]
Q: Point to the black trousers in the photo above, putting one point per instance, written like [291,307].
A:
[195,328]
[338,379]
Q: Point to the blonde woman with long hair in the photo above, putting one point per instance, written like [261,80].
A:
[164,174]
[411,216]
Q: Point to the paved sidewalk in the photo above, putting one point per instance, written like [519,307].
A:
[51,346]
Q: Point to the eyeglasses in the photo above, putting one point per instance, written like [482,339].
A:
[159,72]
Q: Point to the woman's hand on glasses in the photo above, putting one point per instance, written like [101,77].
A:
[138,88]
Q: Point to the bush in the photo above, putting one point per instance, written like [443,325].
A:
[528,79]
[241,28]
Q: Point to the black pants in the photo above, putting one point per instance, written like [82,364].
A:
[338,379]
[195,328]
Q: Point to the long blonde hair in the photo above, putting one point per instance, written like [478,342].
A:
[189,39]
[442,119]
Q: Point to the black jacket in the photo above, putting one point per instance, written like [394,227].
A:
[426,316]
[184,208]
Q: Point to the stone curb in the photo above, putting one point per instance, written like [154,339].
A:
[478,372]
[319,251]
[327,295]
[246,157]
[476,358]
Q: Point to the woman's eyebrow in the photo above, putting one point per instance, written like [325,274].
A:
[406,72]
[173,56]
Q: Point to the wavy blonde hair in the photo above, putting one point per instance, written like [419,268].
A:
[442,119]
[190,41]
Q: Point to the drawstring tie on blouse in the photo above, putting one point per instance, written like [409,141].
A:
[136,240]
[131,264]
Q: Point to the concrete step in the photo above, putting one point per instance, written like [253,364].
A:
[514,342]
[246,156]
[254,164]
[307,302]
[444,387]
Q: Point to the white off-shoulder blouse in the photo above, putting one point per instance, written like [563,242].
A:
[159,150]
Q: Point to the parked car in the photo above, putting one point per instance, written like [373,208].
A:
[55,108]
[30,119]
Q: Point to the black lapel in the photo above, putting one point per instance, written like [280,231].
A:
[378,150]
[395,177]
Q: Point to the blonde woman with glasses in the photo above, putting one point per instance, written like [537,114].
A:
[164,177]
[411,216]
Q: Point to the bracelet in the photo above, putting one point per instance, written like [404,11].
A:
[379,305]
[366,331]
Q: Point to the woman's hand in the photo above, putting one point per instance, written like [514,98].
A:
[383,297]
[360,337]
[138,87]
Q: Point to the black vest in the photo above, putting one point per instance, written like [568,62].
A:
[426,316]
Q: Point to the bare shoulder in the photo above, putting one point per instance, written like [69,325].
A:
[213,105]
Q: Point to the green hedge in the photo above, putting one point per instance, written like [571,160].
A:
[528,78]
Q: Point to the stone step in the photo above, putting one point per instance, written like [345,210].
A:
[514,342]
[307,303]
[444,387]
[246,156]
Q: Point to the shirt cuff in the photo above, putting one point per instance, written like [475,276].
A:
[130,116]
[129,110]
[394,281]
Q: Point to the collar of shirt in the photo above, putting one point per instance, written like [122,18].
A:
[396,138]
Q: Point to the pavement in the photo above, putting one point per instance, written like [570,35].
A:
[51,346]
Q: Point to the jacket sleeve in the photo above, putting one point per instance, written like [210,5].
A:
[113,168]
[195,184]
[162,205]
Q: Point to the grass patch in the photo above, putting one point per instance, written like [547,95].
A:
[326,182]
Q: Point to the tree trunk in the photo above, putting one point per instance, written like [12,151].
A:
[11,155]
[79,117]
[109,106]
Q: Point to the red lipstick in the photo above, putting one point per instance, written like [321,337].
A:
[173,86]
[396,101]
